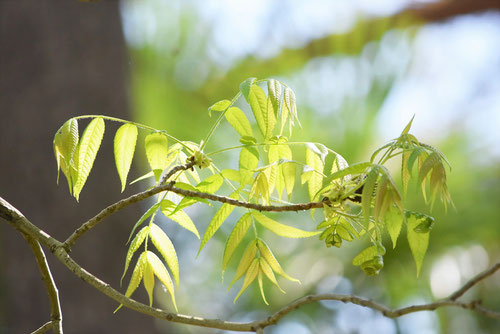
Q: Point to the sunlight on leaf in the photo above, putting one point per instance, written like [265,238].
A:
[124,146]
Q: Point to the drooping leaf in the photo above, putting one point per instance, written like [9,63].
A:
[166,248]
[136,278]
[281,229]
[249,159]
[234,239]
[124,146]
[258,103]
[246,259]
[271,119]
[266,253]
[239,121]
[157,152]
[161,272]
[149,281]
[134,246]
[315,180]
[365,255]
[180,217]
[368,190]
[393,223]
[252,272]
[289,172]
[245,88]
[88,148]
[268,271]
[274,93]
[290,102]
[145,216]
[418,241]
[261,285]
[65,143]
[217,220]
[260,188]
[428,165]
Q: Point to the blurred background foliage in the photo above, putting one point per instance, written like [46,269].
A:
[360,71]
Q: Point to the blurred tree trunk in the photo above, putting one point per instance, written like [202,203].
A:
[60,59]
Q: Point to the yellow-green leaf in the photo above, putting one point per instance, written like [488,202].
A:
[234,239]
[157,152]
[249,159]
[149,282]
[134,245]
[65,143]
[166,248]
[271,119]
[88,147]
[124,145]
[281,229]
[261,287]
[217,220]
[367,194]
[246,260]
[393,222]
[274,93]
[239,121]
[405,173]
[258,103]
[268,271]
[418,241]
[178,216]
[219,106]
[245,88]
[260,188]
[136,278]
[289,171]
[266,253]
[315,181]
[161,272]
[145,216]
[252,272]
[366,255]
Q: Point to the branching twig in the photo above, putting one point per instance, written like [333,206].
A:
[44,328]
[22,224]
[70,241]
[55,306]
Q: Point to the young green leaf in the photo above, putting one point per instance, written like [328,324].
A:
[145,216]
[405,173]
[429,163]
[210,185]
[252,272]
[290,102]
[393,222]
[260,188]
[353,169]
[289,170]
[246,259]
[245,88]
[166,248]
[266,253]
[134,246]
[274,93]
[249,159]
[268,271]
[217,220]
[149,281]
[368,190]
[143,177]
[180,217]
[124,145]
[271,119]
[157,152]
[219,106]
[234,239]
[258,103]
[161,272]
[239,121]
[261,287]
[65,143]
[418,241]
[136,278]
[315,181]
[281,229]
[408,126]
[366,255]
[88,147]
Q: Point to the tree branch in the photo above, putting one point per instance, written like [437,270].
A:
[22,224]
[79,232]
[44,328]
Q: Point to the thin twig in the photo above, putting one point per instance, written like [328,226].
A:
[44,328]
[79,232]
[22,224]
[473,281]
[55,306]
